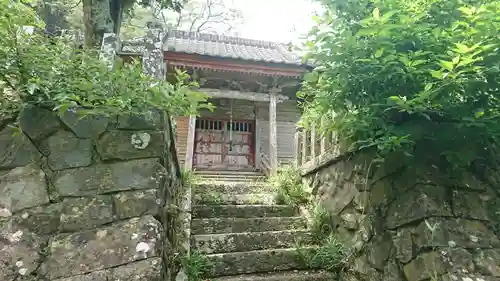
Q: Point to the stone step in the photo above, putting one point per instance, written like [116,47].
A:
[283,276]
[226,172]
[229,180]
[243,211]
[232,188]
[209,198]
[237,225]
[249,241]
[255,262]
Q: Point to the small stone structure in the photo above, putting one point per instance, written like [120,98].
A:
[410,222]
[81,199]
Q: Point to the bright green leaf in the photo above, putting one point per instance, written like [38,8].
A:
[437,74]
[379,53]
[376,13]
[448,65]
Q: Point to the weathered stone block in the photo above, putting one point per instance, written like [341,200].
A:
[471,182]
[19,252]
[64,150]
[126,145]
[338,197]
[469,205]
[16,149]
[103,248]
[42,220]
[149,270]
[23,187]
[392,271]
[85,127]
[403,244]
[38,123]
[488,262]
[107,178]
[350,219]
[420,202]
[86,212]
[136,203]
[441,232]
[380,251]
[93,276]
[148,121]
[424,267]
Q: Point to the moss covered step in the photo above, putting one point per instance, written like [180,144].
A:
[233,199]
[232,188]
[255,262]
[283,276]
[243,211]
[236,225]
[231,178]
[248,241]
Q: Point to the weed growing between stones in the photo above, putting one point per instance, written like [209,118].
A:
[214,198]
[330,256]
[320,227]
[189,178]
[289,187]
[196,266]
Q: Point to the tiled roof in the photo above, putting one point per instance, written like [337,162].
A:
[222,46]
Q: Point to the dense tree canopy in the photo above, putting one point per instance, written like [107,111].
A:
[51,71]
[410,76]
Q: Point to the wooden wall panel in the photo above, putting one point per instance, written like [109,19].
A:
[181,128]
[287,116]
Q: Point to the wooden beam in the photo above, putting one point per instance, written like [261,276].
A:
[297,148]
[258,135]
[188,163]
[304,146]
[273,139]
[313,142]
[323,139]
[251,96]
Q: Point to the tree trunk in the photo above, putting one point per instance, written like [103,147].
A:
[100,16]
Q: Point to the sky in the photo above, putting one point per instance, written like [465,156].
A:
[275,20]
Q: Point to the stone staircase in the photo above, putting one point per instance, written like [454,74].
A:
[244,235]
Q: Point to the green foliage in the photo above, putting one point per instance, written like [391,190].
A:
[320,224]
[188,177]
[419,77]
[289,187]
[196,266]
[329,256]
[51,72]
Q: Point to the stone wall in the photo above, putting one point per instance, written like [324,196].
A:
[410,222]
[84,199]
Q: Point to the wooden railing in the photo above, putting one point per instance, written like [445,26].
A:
[310,144]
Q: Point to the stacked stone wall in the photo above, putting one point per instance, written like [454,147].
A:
[411,223]
[84,198]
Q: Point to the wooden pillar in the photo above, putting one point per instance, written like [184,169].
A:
[188,163]
[297,147]
[304,146]
[273,139]
[323,139]
[258,135]
[313,142]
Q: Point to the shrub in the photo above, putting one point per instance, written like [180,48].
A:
[196,266]
[418,77]
[289,187]
[36,69]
